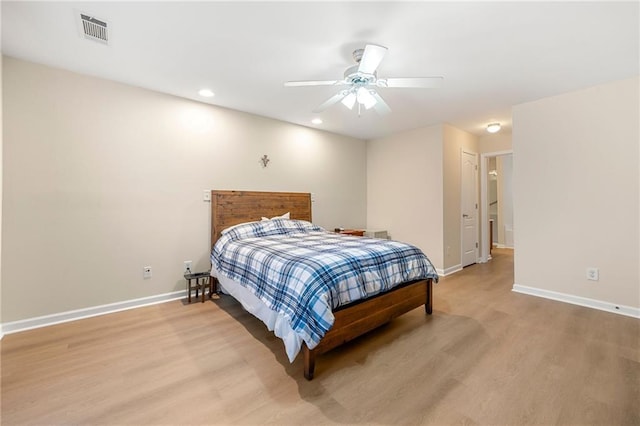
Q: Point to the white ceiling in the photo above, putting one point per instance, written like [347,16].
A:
[492,55]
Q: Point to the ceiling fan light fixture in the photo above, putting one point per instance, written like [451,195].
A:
[350,100]
[493,127]
[366,98]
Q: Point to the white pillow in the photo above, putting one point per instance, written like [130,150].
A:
[226,230]
[284,216]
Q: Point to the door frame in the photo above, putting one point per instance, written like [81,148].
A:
[475,191]
[484,203]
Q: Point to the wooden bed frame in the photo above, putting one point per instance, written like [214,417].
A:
[230,208]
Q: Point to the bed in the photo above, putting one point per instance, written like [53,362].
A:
[246,209]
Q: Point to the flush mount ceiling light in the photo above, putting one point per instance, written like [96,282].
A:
[493,127]
[316,121]
[206,93]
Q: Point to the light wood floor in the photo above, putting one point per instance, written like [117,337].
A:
[486,356]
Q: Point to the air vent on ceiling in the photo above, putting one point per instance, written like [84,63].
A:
[94,29]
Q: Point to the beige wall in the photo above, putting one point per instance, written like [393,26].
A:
[1,174]
[404,188]
[496,142]
[454,142]
[413,189]
[576,192]
[102,179]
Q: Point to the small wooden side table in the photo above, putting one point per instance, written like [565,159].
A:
[354,232]
[201,281]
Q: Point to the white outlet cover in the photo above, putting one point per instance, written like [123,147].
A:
[146,272]
[593,274]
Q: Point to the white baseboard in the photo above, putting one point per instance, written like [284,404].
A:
[43,321]
[629,311]
[449,271]
[502,246]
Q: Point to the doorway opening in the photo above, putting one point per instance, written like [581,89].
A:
[496,193]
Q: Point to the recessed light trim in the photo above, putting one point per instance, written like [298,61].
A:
[493,127]
[316,121]
[207,93]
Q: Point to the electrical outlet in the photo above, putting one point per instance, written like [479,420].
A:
[187,267]
[593,274]
[146,272]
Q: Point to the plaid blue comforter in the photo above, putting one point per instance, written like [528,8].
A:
[302,271]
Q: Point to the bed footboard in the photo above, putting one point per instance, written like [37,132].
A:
[357,319]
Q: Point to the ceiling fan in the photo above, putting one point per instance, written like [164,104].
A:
[362,81]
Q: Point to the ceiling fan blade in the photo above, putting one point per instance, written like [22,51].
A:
[381,106]
[314,83]
[371,58]
[418,82]
[331,101]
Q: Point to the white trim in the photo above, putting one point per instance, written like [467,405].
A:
[484,202]
[450,270]
[1,332]
[43,321]
[629,311]
[502,246]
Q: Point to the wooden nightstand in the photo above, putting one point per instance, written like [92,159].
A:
[202,281]
[354,232]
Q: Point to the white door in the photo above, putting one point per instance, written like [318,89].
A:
[469,208]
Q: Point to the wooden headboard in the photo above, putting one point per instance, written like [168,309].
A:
[230,208]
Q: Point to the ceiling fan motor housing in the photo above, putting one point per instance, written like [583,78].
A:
[353,76]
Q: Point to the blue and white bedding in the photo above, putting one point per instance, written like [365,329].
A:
[300,271]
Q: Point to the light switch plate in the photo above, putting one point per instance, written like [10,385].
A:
[206,195]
